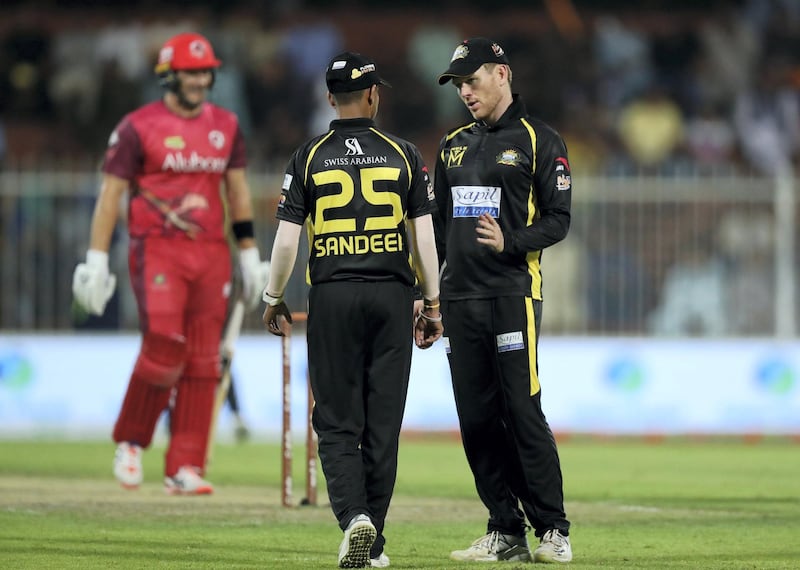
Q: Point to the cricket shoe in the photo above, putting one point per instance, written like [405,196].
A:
[358,538]
[495,547]
[187,481]
[128,465]
[381,561]
[553,547]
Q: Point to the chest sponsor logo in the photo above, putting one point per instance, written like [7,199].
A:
[507,342]
[509,157]
[217,139]
[179,162]
[472,201]
[455,155]
[175,142]
[354,161]
[353,147]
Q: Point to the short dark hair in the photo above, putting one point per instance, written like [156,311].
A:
[347,97]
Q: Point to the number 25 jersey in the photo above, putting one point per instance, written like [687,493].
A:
[354,187]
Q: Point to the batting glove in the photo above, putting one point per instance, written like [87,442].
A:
[255,274]
[92,284]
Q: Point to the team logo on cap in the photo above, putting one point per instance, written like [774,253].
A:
[197,48]
[356,73]
[165,54]
[461,52]
[498,51]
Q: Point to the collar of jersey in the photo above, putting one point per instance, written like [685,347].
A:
[514,112]
[358,122]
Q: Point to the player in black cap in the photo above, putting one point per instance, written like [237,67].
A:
[363,193]
[503,191]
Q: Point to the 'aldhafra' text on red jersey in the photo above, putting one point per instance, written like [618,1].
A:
[175,166]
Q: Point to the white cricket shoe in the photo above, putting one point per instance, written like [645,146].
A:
[358,538]
[495,547]
[128,465]
[381,561]
[187,481]
[553,547]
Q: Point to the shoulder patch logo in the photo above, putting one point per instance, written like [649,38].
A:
[428,185]
[563,177]
[508,157]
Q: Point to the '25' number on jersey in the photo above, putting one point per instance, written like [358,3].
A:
[335,201]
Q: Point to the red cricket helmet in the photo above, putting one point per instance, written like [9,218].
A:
[186,51]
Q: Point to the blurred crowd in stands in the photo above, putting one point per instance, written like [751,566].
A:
[648,88]
[670,90]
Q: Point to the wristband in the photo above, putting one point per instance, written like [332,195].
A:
[431,319]
[270,300]
[243,229]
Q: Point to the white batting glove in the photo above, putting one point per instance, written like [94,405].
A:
[92,284]
[255,274]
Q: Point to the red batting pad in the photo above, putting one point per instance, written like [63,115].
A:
[191,420]
[143,405]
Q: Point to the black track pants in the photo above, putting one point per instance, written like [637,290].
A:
[507,440]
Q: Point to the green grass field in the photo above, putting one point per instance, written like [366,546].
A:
[673,504]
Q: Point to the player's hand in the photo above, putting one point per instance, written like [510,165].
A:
[92,284]
[275,315]
[489,233]
[427,325]
[255,274]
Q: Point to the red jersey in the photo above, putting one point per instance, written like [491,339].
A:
[175,166]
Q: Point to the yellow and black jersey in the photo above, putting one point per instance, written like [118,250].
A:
[354,187]
[516,170]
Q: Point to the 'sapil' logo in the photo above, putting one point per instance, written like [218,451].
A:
[472,201]
[353,147]
[510,341]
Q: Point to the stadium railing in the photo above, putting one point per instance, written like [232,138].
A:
[712,256]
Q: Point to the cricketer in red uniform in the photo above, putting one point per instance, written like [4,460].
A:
[171,158]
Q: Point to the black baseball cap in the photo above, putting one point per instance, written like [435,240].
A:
[470,55]
[351,71]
